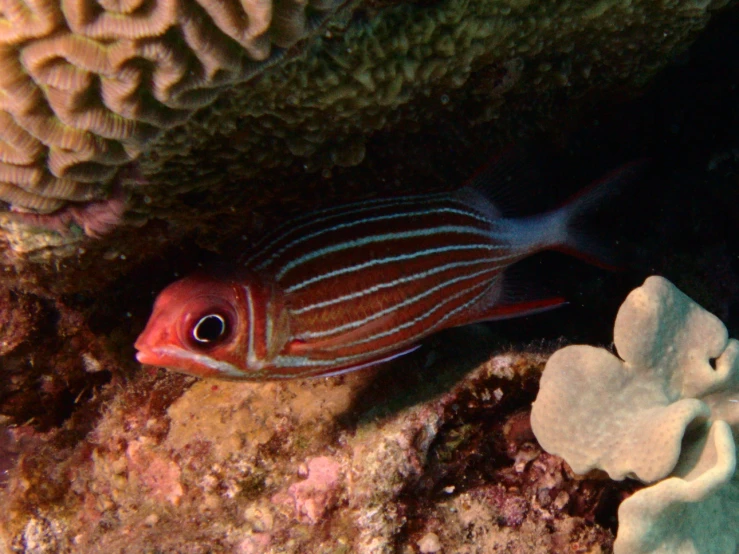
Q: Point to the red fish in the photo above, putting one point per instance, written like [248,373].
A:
[348,287]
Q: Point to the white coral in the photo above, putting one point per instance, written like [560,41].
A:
[667,408]
[692,511]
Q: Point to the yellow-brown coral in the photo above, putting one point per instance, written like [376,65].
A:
[86,84]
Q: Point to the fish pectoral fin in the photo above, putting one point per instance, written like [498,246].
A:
[280,335]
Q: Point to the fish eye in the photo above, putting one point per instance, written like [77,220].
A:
[209,329]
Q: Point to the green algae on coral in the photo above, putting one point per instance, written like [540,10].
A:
[396,65]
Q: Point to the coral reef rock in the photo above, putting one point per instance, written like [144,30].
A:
[431,460]
[404,66]
[663,411]
[188,95]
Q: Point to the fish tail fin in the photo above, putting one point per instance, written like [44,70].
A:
[572,236]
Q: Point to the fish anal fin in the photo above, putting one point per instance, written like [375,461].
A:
[279,335]
[594,254]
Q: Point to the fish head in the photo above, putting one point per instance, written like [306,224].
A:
[200,326]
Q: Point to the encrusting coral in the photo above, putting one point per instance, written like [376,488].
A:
[662,411]
[406,63]
[170,87]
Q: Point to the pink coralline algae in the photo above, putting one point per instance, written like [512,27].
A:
[258,543]
[316,494]
[96,218]
[158,474]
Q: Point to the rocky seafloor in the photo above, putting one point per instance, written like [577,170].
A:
[433,453]
[445,462]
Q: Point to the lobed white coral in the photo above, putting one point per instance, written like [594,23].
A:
[665,409]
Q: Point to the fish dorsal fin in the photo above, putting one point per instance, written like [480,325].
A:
[501,187]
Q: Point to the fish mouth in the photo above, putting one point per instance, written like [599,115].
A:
[146,357]
[149,353]
[183,361]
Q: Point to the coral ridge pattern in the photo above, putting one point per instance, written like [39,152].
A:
[85,85]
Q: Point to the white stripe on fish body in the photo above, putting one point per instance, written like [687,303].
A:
[453,312]
[405,304]
[374,219]
[392,259]
[322,359]
[318,218]
[306,368]
[327,302]
[253,361]
[405,211]
[319,361]
[406,284]
[427,314]
[224,368]
[388,284]
[385,237]
[373,295]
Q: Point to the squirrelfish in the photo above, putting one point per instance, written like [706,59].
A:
[352,286]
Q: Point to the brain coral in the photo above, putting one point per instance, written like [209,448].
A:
[85,84]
